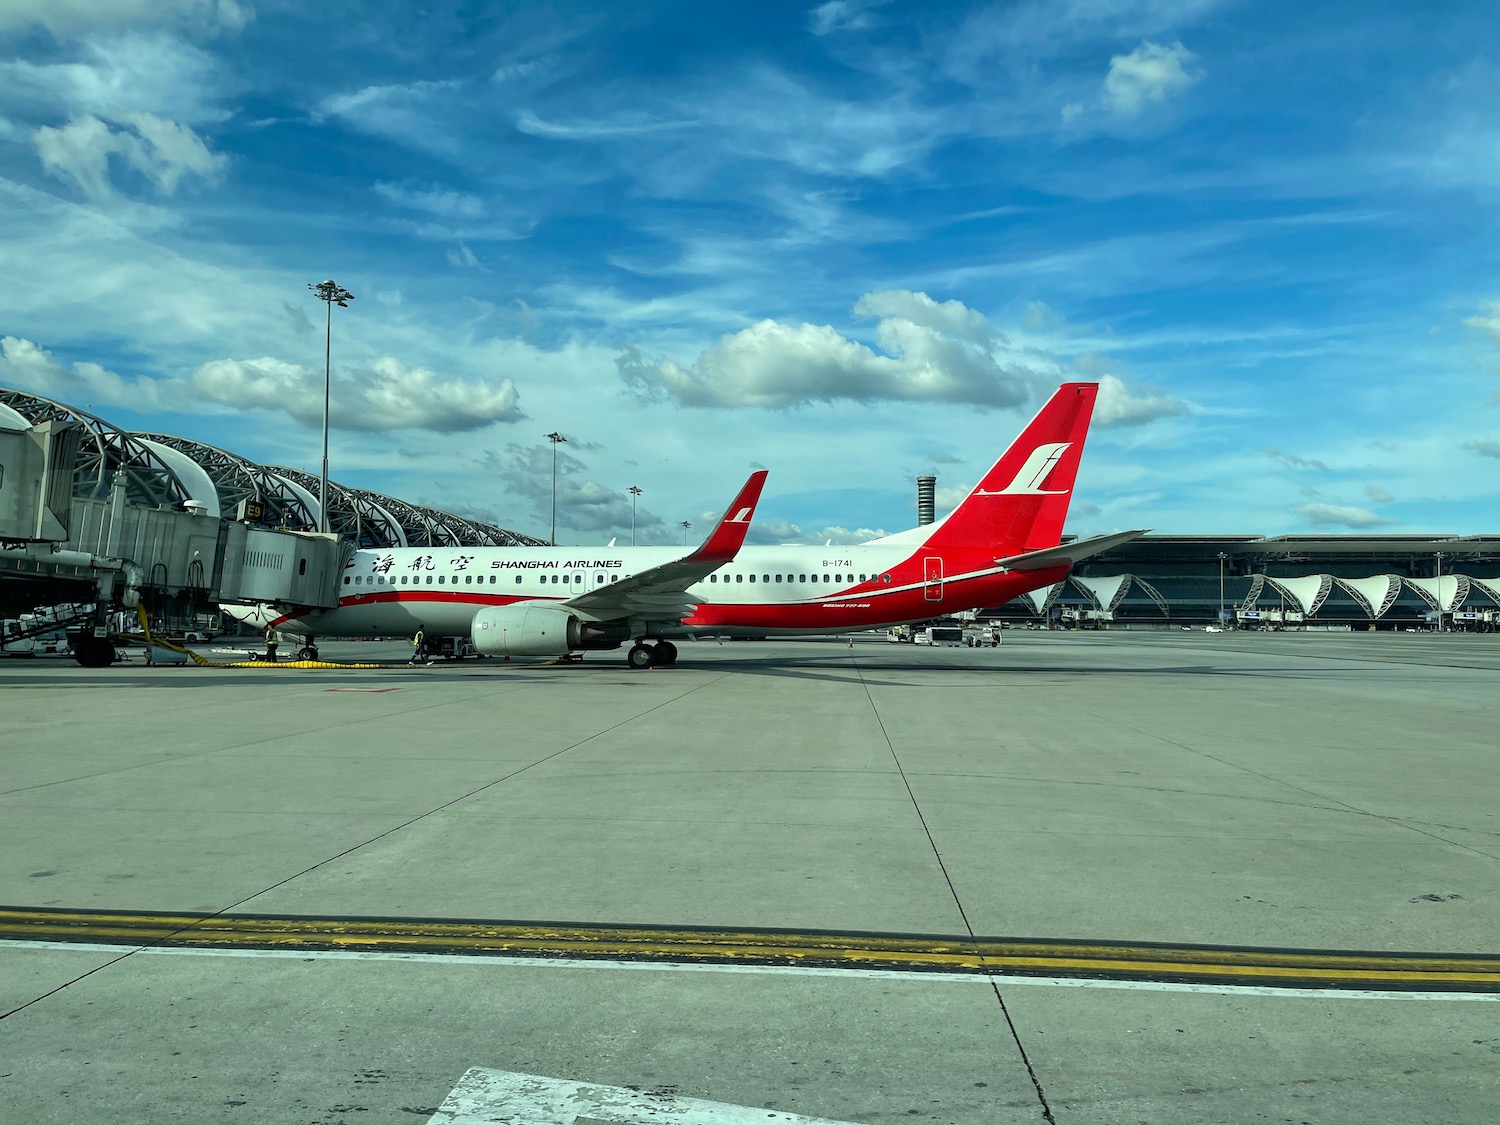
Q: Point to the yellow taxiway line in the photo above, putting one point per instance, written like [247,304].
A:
[995,957]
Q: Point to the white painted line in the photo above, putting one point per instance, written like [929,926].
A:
[500,1097]
[936,976]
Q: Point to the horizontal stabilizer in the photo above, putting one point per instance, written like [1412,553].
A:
[1067,554]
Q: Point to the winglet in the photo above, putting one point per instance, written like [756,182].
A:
[728,535]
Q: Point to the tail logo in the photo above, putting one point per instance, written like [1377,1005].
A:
[742,516]
[1028,482]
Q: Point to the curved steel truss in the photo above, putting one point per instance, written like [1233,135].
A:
[108,453]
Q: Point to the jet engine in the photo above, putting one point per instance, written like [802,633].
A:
[539,629]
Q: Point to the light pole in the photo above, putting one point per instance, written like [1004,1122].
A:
[634,495]
[556,439]
[685,525]
[331,293]
[1439,555]
[1222,557]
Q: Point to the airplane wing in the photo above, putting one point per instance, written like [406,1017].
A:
[661,591]
[1067,553]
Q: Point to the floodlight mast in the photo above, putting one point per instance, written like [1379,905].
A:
[634,495]
[556,439]
[331,293]
[686,524]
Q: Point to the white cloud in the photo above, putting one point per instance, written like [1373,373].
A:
[1488,322]
[1483,448]
[626,125]
[930,352]
[115,76]
[1339,515]
[1292,461]
[1117,405]
[1147,76]
[75,17]
[161,150]
[443,202]
[463,257]
[28,366]
[843,15]
[1381,496]
[386,395]
[412,113]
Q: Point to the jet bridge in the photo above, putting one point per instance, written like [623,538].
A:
[124,550]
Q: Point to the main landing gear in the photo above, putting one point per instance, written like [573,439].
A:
[662,654]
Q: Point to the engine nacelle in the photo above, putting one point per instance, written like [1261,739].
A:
[525,630]
[539,629]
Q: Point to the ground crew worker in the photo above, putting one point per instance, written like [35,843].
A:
[273,638]
[419,647]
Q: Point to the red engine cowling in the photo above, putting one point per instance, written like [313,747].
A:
[526,630]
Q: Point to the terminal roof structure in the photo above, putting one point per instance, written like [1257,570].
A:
[163,469]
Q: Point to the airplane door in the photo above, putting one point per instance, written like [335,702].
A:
[932,576]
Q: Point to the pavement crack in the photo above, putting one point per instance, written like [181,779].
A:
[1010,1023]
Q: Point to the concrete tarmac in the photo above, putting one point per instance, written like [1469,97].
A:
[1301,791]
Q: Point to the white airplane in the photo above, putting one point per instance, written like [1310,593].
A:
[1002,541]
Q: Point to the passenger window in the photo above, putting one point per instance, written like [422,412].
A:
[598,578]
[739,577]
[429,580]
[885,577]
[765,578]
[752,578]
[440,579]
[778,578]
[518,580]
[801,578]
[346,580]
[713,577]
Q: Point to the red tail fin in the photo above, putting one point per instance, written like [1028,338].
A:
[1022,501]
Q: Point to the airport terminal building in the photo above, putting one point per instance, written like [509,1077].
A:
[1285,581]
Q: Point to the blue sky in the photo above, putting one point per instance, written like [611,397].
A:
[851,242]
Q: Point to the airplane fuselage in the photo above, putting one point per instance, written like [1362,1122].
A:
[764,591]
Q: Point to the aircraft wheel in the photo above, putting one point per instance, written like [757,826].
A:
[639,656]
[665,654]
[307,652]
